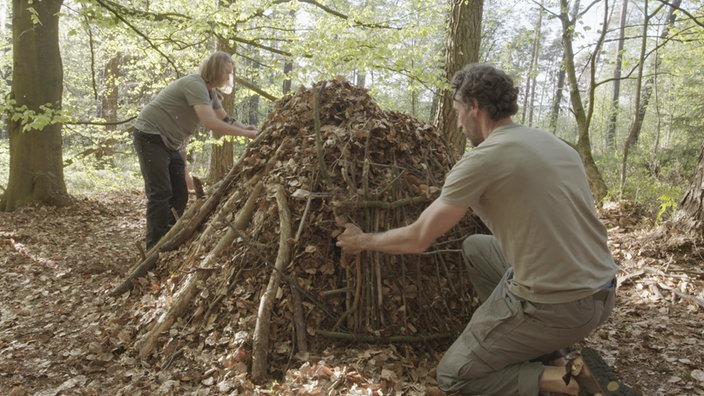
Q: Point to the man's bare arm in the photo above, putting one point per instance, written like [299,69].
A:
[436,220]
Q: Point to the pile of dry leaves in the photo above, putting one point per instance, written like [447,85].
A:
[260,259]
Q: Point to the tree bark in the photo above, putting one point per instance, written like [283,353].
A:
[689,219]
[110,99]
[464,39]
[36,162]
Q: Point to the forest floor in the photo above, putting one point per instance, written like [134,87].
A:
[58,266]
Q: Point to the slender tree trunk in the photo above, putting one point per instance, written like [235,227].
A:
[360,78]
[110,99]
[528,106]
[221,153]
[582,115]
[36,164]
[288,65]
[613,114]
[648,85]
[253,110]
[637,117]
[288,68]
[464,38]
[559,90]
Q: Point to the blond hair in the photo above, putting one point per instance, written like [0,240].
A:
[213,67]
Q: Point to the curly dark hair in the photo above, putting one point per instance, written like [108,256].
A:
[491,87]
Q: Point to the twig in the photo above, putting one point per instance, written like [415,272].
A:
[357,290]
[262,328]
[385,204]
[299,320]
[382,340]
[682,295]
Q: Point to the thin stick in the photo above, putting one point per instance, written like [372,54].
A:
[263,326]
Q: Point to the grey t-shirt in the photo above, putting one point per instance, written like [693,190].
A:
[171,113]
[531,190]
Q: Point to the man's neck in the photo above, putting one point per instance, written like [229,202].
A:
[491,125]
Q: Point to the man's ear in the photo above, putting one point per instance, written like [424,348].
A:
[473,104]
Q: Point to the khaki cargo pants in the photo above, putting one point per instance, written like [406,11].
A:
[492,355]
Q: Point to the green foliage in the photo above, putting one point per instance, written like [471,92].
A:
[86,174]
[32,120]
[657,181]
[668,204]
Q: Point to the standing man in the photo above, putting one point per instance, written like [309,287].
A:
[545,277]
[162,131]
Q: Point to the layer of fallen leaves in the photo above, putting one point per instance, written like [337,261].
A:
[58,325]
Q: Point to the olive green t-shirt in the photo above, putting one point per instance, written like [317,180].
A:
[171,113]
[531,190]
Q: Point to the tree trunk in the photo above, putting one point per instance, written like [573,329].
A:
[637,117]
[286,85]
[690,217]
[36,162]
[110,99]
[583,116]
[531,80]
[464,38]
[613,115]
[648,85]
[560,88]
[288,66]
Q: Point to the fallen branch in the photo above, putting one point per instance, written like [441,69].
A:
[299,320]
[148,260]
[206,208]
[682,295]
[139,272]
[357,290]
[370,339]
[383,204]
[262,328]
[189,289]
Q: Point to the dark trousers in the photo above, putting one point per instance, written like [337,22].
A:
[164,172]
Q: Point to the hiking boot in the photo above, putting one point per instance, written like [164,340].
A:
[594,376]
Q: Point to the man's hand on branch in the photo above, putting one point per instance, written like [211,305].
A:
[351,239]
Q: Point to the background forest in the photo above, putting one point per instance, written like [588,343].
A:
[629,81]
